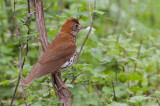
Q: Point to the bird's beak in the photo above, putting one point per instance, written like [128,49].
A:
[81,27]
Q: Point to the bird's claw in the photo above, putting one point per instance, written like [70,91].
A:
[63,86]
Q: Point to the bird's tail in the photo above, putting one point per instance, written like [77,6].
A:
[30,77]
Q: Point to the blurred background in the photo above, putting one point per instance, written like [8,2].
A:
[119,64]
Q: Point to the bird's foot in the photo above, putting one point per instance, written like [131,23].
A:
[63,86]
[59,94]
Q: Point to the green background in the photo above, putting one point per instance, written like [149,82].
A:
[122,52]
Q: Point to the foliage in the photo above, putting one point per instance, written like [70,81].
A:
[119,64]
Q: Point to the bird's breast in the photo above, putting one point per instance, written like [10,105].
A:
[69,63]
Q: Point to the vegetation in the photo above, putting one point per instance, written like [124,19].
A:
[119,63]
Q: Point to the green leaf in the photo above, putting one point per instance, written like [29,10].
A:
[7,82]
[61,17]
[99,12]
[69,85]
[133,77]
[138,99]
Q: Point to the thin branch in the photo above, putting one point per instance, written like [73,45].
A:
[15,13]
[138,54]
[74,77]
[80,82]
[40,23]
[98,93]
[21,64]
[20,67]
[91,17]
[34,102]
[15,90]
[158,102]
[29,6]
[114,93]
[19,75]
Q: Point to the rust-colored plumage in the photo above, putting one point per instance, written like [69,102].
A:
[58,53]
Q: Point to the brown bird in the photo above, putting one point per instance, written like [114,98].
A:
[59,55]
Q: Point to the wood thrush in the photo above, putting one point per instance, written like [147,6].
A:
[59,55]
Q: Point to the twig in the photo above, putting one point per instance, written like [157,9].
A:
[29,6]
[19,75]
[80,82]
[15,90]
[20,67]
[139,50]
[158,102]
[40,23]
[74,77]
[28,87]
[15,13]
[114,93]
[91,17]
[33,102]
[98,93]
[21,64]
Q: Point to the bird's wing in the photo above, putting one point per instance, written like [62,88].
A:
[50,61]
[54,58]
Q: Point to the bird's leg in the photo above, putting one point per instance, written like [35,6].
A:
[60,81]
[53,83]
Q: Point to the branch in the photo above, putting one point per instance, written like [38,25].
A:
[19,74]
[138,54]
[21,64]
[114,93]
[40,23]
[158,102]
[74,77]
[15,90]
[91,18]
[15,13]
[20,67]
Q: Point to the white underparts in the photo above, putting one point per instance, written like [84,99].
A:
[69,63]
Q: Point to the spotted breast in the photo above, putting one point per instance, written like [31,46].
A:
[69,63]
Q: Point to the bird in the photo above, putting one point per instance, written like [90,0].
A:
[59,55]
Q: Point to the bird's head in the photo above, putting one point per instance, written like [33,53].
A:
[72,26]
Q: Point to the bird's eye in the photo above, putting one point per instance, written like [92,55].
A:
[76,25]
